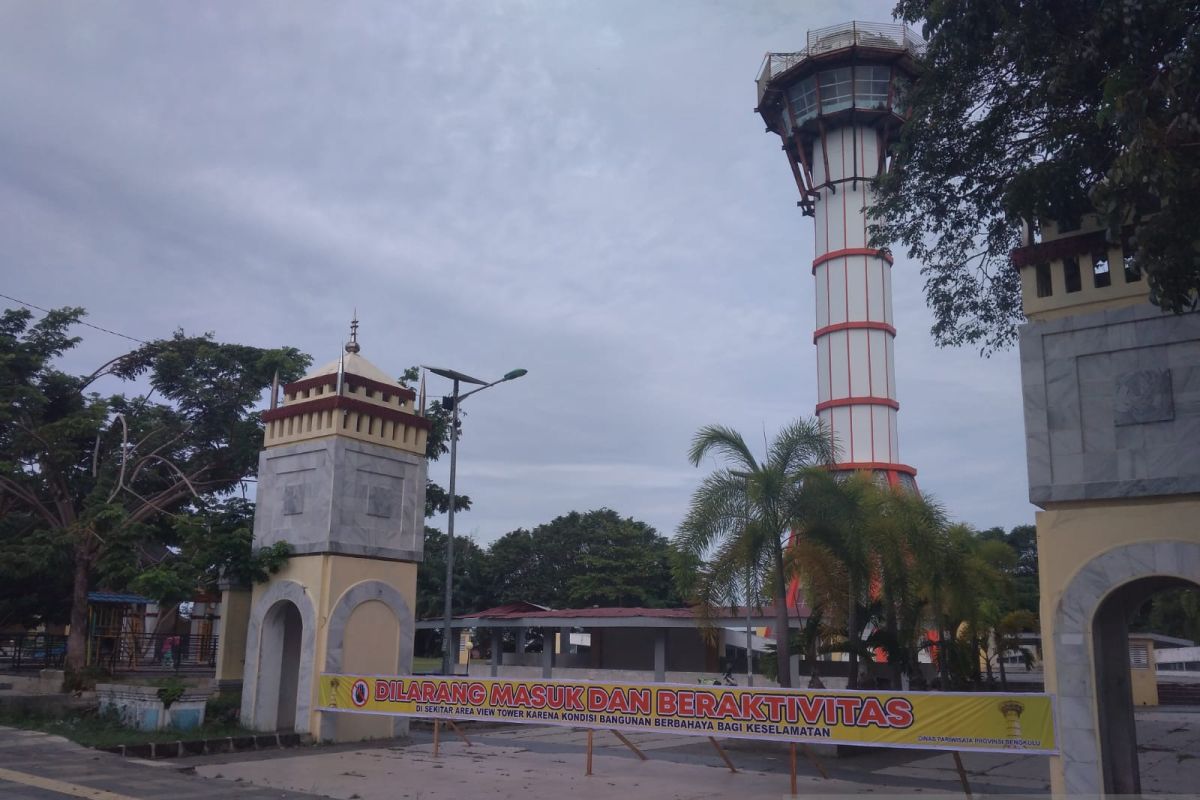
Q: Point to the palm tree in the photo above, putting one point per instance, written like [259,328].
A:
[838,513]
[1008,637]
[741,513]
[964,578]
[907,527]
[993,562]
[823,579]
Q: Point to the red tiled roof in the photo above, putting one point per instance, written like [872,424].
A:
[531,611]
[518,609]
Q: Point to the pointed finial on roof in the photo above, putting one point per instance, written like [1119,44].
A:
[352,345]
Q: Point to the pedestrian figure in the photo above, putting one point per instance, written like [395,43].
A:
[171,652]
[167,656]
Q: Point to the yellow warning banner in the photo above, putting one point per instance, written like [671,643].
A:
[996,722]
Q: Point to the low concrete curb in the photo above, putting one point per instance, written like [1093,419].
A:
[199,747]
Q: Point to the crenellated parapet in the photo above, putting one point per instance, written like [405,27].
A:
[349,397]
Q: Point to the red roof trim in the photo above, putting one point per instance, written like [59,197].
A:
[348,404]
[1072,245]
[868,325]
[352,381]
[874,466]
[858,401]
[850,251]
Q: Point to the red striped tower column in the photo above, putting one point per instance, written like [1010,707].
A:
[856,376]
[836,106]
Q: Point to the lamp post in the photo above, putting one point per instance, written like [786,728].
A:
[453,401]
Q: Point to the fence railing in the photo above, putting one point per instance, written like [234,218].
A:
[32,651]
[124,652]
[129,652]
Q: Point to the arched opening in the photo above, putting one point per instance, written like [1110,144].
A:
[279,666]
[289,668]
[370,647]
[370,631]
[1123,669]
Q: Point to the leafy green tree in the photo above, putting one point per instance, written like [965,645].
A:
[840,513]
[1008,637]
[523,569]
[970,591]
[740,515]
[97,474]
[622,562]
[858,545]
[908,525]
[35,572]
[213,541]
[583,559]
[1173,612]
[808,642]
[1029,110]
[1023,573]
[437,444]
[473,589]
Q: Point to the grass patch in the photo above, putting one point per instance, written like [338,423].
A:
[92,729]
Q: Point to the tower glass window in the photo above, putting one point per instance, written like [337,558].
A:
[1133,272]
[803,98]
[1042,274]
[871,87]
[837,89]
[1071,274]
[1101,277]
[899,89]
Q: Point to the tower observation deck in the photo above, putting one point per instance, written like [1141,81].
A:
[837,105]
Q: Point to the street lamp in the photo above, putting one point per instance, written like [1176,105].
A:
[453,401]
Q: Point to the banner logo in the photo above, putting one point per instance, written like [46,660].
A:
[360,693]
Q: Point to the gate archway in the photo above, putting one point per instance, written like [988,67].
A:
[1092,674]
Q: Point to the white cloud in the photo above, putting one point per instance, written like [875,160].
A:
[580,189]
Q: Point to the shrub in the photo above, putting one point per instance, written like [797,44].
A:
[224,709]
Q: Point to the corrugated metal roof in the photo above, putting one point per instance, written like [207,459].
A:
[531,612]
[118,598]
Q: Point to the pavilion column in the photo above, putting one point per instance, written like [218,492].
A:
[660,655]
[519,648]
[497,650]
[547,652]
[564,646]
[231,637]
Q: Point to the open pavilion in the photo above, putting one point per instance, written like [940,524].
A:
[677,644]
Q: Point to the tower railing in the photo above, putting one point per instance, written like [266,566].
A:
[877,35]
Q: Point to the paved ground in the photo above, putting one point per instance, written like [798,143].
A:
[527,761]
[37,766]
[1169,750]
[521,762]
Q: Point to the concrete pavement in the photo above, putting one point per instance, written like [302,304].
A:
[37,766]
[520,762]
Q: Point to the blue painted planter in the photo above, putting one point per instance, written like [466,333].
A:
[139,707]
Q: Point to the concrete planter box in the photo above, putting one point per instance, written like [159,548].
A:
[139,707]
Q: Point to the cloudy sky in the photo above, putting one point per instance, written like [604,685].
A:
[577,188]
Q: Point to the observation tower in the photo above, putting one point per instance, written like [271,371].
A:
[837,105]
